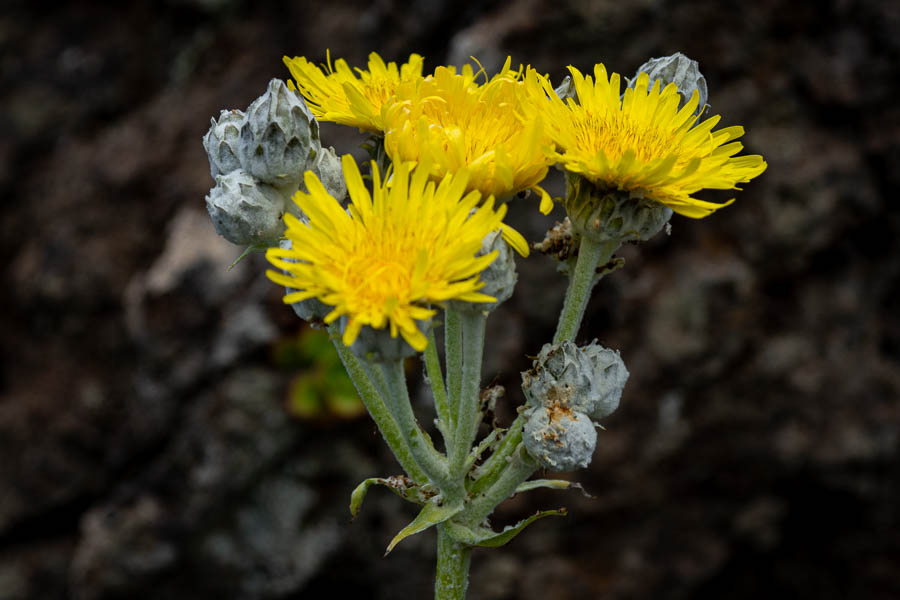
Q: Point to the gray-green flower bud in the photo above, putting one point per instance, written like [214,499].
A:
[559,438]
[311,310]
[605,215]
[221,142]
[377,345]
[587,379]
[280,138]
[680,70]
[245,211]
[566,89]
[499,278]
[328,170]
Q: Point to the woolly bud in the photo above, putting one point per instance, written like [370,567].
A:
[245,211]
[280,138]
[499,278]
[566,89]
[311,310]
[605,215]
[680,70]
[560,439]
[328,170]
[221,142]
[587,379]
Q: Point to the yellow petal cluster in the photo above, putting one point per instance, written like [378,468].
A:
[453,122]
[339,95]
[394,253]
[641,141]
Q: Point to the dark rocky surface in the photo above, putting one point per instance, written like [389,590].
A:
[145,447]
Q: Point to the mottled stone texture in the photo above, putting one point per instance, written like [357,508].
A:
[145,451]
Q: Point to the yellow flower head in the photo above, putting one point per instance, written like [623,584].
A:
[456,123]
[642,142]
[384,261]
[339,95]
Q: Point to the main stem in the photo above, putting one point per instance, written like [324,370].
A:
[451,579]
[591,254]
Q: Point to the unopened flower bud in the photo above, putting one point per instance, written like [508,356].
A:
[604,215]
[328,170]
[680,70]
[221,142]
[560,439]
[245,211]
[280,138]
[499,278]
[377,345]
[588,379]
[566,89]
[311,310]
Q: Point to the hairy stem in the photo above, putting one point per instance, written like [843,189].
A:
[452,577]
[377,408]
[519,468]
[453,354]
[490,471]
[582,279]
[468,410]
[436,378]
[432,462]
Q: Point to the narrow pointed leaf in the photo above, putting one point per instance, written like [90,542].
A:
[250,250]
[431,515]
[510,532]
[399,484]
[553,484]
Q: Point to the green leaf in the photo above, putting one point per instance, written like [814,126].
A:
[553,484]
[250,250]
[512,531]
[431,514]
[485,537]
[401,485]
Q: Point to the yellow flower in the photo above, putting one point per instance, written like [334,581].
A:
[642,142]
[394,253]
[339,95]
[456,123]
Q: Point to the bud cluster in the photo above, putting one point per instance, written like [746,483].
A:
[257,159]
[567,390]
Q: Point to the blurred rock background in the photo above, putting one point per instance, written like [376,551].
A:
[147,446]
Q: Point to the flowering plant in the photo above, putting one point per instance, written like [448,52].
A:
[423,245]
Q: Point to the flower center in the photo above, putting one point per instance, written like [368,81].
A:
[481,126]
[615,132]
[380,275]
